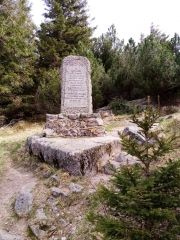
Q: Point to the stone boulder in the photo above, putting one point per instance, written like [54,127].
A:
[134,135]
[24,200]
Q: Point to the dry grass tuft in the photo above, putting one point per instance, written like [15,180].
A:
[12,140]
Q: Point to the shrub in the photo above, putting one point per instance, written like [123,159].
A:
[142,201]
[121,106]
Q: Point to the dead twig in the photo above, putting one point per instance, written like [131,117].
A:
[11,123]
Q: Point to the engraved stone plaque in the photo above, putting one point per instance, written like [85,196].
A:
[76,89]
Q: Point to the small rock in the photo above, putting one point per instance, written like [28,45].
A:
[73,116]
[55,179]
[111,167]
[61,116]
[47,174]
[40,215]
[37,231]
[100,131]
[55,210]
[75,187]
[106,112]
[28,187]
[90,115]
[125,158]
[53,228]
[63,223]
[23,201]
[56,192]
[51,199]
[95,122]
[49,132]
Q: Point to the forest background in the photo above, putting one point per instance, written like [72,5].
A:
[30,59]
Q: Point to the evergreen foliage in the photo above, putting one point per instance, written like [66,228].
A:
[48,92]
[137,70]
[66,24]
[98,75]
[157,64]
[106,47]
[142,201]
[17,56]
[125,73]
[175,47]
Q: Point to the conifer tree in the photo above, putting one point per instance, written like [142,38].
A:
[143,200]
[107,46]
[157,65]
[17,55]
[66,24]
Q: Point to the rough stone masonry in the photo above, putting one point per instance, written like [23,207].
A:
[76,118]
[75,139]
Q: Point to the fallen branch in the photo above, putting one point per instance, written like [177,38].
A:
[11,123]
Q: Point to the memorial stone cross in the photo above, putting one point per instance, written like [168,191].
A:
[76,88]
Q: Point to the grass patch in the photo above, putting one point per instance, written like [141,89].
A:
[12,140]
[16,147]
[118,121]
[3,154]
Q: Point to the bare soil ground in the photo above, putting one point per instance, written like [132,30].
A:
[11,183]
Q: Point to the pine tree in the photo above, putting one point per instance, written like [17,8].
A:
[157,65]
[66,24]
[143,200]
[107,46]
[17,55]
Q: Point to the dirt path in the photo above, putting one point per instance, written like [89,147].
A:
[11,183]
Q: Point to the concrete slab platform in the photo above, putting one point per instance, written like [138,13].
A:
[78,156]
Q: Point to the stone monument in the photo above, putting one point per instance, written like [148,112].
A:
[76,89]
[76,118]
[75,139]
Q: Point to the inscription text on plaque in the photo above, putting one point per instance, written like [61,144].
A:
[76,85]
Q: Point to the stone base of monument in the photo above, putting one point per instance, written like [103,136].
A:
[74,125]
[78,156]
